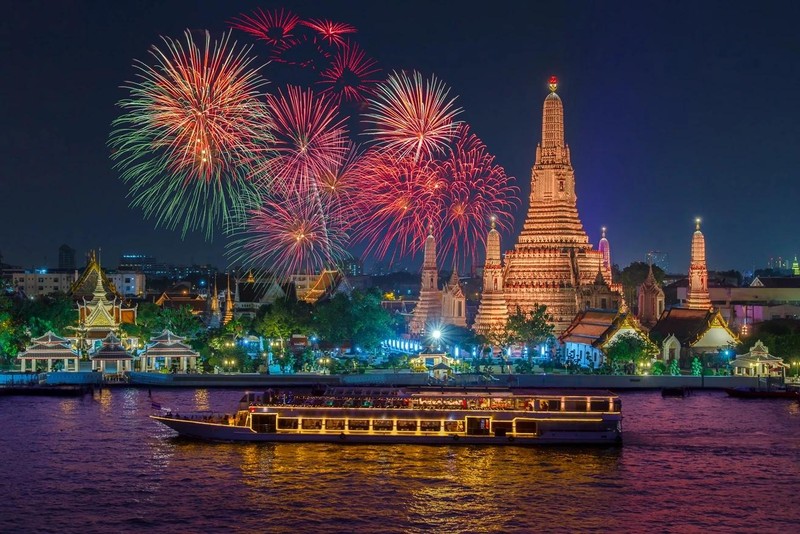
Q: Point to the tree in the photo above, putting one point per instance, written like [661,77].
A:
[628,350]
[697,367]
[531,329]
[10,333]
[54,312]
[358,319]
[674,368]
[180,321]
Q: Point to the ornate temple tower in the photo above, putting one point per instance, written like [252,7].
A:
[429,306]
[651,300]
[492,310]
[552,260]
[454,302]
[605,249]
[697,298]
[228,317]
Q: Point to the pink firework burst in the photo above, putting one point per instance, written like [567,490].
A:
[330,31]
[274,27]
[308,138]
[402,199]
[351,76]
[290,235]
[477,189]
[340,187]
[412,116]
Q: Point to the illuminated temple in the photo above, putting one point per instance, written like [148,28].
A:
[553,262]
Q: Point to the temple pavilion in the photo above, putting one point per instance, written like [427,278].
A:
[111,357]
[47,352]
[167,350]
[758,362]
[101,309]
[553,262]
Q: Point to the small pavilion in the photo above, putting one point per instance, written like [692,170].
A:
[51,349]
[166,350]
[111,357]
[758,362]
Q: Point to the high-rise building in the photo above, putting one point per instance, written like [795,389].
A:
[137,263]
[66,257]
[553,262]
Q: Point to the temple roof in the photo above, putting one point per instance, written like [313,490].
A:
[167,336]
[173,350]
[49,346]
[776,282]
[588,326]
[111,349]
[86,284]
[688,325]
[50,338]
[324,285]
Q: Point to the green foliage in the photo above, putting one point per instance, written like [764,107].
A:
[628,350]
[697,367]
[658,368]
[674,368]
[358,319]
[11,335]
[283,318]
[54,312]
[634,275]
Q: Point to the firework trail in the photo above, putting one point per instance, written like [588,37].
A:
[412,116]
[182,140]
[351,76]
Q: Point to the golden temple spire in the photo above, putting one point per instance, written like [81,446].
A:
[553,84]
[697,223]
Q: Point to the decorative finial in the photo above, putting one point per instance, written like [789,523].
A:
[430,230]
[604,232]
[553,84]
[697,223]
[493,219]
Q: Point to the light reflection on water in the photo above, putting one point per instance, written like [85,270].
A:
[701,463]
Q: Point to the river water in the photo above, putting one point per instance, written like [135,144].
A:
[98,464]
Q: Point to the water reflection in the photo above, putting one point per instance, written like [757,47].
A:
[201,402]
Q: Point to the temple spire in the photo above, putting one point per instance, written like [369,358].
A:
[698,297]
[228,303]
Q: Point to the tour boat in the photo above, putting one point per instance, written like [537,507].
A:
[390,415]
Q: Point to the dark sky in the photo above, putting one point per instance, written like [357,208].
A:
[673,110]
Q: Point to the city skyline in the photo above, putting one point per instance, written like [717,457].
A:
[660,134]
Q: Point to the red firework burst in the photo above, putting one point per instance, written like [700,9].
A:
[412,116]
[290,235]
[274,27]
[308,139]
[477,189]
[341,187]
[404,199]
[331,32]
[351,75]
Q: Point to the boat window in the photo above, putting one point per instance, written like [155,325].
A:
[430,426]
[550,405]
[382,425]
[358,424]
[334,424]
[312,424]
[406,425]
[287,424]
[501,428]
[599,405]
[454,426]
[478,426]
[525,426]
[575,405]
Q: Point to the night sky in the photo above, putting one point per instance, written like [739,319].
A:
[673,111]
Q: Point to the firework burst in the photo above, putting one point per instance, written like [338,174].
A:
[477,189]
[182,140]
[402,198]
[351,76]
[274,27]
[412,116]
[332,32]
[289,235]
[307,139]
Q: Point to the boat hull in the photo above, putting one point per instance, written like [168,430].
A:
[228,433]
[756,394]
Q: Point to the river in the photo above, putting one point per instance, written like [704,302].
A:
[98,464]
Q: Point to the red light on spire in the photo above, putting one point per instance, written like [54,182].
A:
[553,80]
[553,84]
